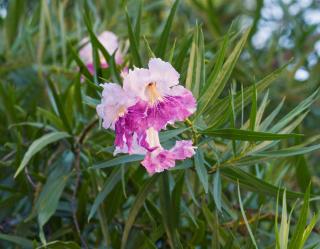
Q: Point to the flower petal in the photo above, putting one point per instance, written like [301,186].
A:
[161,159]
[110,41]
[114,104]
[171,109]
[163,73]
[135,82]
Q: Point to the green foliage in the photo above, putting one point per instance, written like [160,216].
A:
[255,130]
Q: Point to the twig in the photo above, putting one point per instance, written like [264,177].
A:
[26,171]
[86,130]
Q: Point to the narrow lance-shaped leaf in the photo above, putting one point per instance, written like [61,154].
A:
[118,160]
[246,220]
[133,44]
[109,58]
[218,64]
[253,112]
[167,211]
[241,99]
[164,38]
[255,184]
[245,135]
[201,169]
[217,190]
[137,27]
[59,105]
[215,87]
[38,145]
[18,240]
[49,197]
[110,183]
[302,222]
[140,199]
[82,68]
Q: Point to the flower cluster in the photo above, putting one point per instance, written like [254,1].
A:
[150,99]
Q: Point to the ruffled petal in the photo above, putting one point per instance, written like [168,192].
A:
[161,159]
[171,109]
[131,129]
[135,82]
[163,73]
[114,104]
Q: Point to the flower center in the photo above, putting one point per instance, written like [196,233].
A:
[152,93]
[121,111]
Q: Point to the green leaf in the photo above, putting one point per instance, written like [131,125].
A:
[166,135]
[303,173]
[215,87]
[291,151]
[149,50]
[201,170]
[302,222]
[182,52]
[285,224]
[253,112]
[34,124]
[60,245]
[245,135]
[18,240]
[176,198]
[59,105]
[118,160]
[293,114]
[221,106]
[166,209]
[82,67]
[217,190]
[218,64]
[164,38]
[196,70]
[38,145]
[307,231]
[255,184]
[16,10]
[137,27]
[133,44]
[97,44]
[140,199]
[47,202]
[109,185]
[246,220]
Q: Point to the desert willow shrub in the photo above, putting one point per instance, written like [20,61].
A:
[153,151]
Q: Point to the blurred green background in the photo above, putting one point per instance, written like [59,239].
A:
[36,39]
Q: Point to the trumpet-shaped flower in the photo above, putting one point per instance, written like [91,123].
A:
[157,88]
[161,159]
[149,100]
[110,41]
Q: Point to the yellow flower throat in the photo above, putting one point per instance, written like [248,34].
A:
[152,93]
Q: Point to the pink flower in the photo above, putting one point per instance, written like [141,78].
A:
[160,159]
[149,100]
[110,41]
[114,104]
[157,88]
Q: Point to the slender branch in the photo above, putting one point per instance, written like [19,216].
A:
[86,130]
[26,171]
